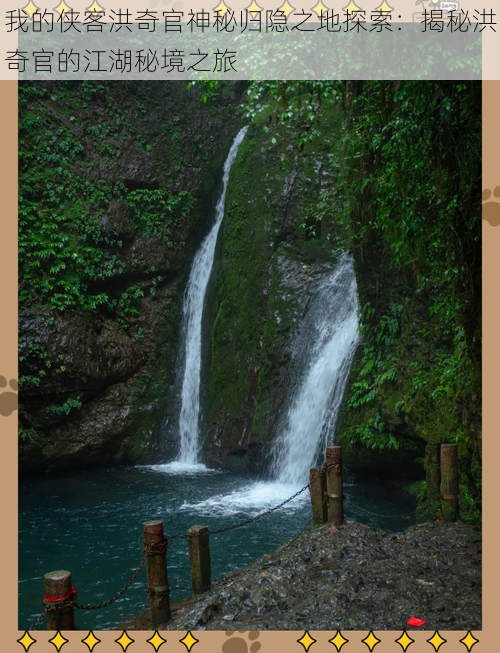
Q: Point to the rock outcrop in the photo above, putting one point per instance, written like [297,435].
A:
[96,386]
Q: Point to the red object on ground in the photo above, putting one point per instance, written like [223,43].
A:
[416,622]
[439,519]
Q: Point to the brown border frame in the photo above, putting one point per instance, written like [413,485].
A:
[271,640]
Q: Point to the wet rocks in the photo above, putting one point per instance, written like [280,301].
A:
[310,582]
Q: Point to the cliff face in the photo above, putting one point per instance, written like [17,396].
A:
[415,188]
[266,267]
[117,185]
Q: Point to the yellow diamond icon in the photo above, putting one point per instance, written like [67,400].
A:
[253,8]
[405,640]
[95,8]
[26,640]
[384,8]
[306,640]
[286,8]
[469,640]
[58,640]
[30,8]
[124,640]
[338,641]
[351,8]
[189,641]
[436,640]
[371,640]
[91,640]
[62,8]
[221,8]
[320,9]
[156,641]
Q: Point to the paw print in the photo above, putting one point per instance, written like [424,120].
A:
[239,645]
[8,400]
[491,210]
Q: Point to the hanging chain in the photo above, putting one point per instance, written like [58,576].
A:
[375,514]
[159,548]
[117,596]
[40,619]
[259,516]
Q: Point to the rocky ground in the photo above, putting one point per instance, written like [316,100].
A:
[352,577]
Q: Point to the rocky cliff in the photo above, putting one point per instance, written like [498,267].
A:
[117,185]
[266,267]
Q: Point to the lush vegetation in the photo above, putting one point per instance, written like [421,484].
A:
[412,194]
[65,253]
[408,196]
[403,197]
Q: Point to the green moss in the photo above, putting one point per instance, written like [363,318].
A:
[272,186]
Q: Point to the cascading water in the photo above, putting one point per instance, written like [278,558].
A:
[329,334]
[194,298]
[325,347]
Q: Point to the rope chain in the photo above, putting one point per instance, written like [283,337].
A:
[97,606]
[39,620]
[376,514]
[262,514]
[160,547]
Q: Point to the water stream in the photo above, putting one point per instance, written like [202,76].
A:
[194,299]
[325,347]
[328,338]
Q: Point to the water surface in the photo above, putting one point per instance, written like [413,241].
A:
[91,524]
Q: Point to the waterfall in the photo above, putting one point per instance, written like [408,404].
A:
[194,298]
[325,347]
[327,342]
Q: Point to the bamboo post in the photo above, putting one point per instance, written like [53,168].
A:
[334,485]
[432,471]
[155,546]
[449,482]
[58,592]
[318,495]
[199,554]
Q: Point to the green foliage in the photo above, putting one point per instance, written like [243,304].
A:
[411,189]
[126,303]
[298,103]
[468,508]
[156,211]
[38,356]
[419,490]
[64,252]
[414,157]
[375,433]
[65,408]
[378,365]
[210,89]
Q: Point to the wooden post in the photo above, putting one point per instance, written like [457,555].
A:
[449,482]
[199,553]
[155,546]
[318,495]
[58,584]
[334,486]
[432,471]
